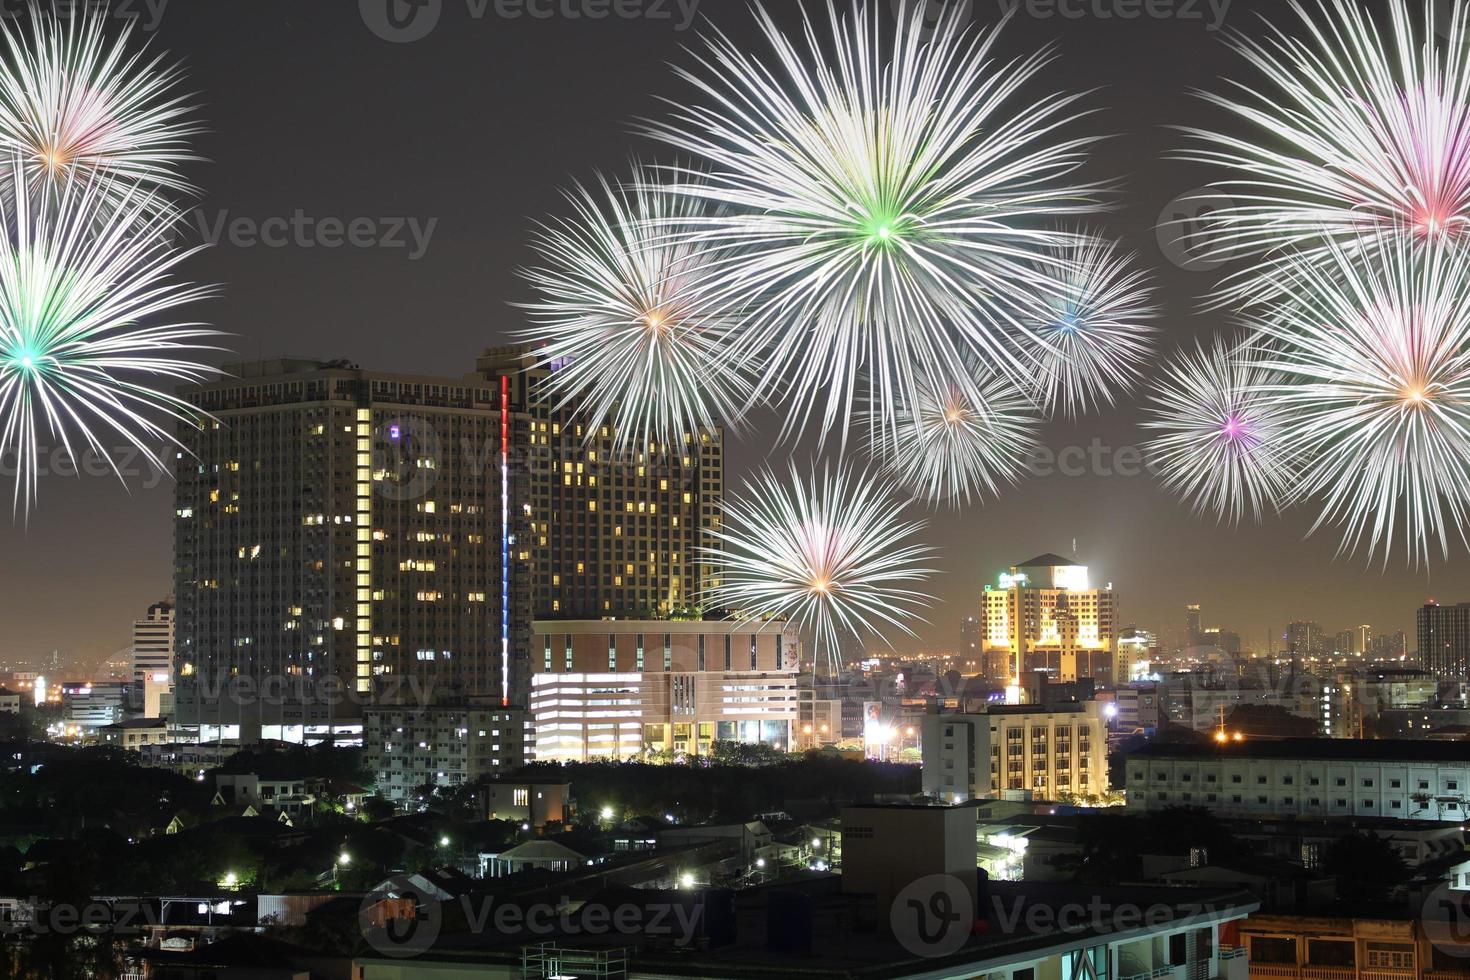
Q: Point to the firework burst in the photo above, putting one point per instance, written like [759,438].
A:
[830,555]
[620,317]
[1096,335]
[886,203]
[73,103]
[949,447]
[1374,355]
[77,282]
[1222,439]
[1359,134]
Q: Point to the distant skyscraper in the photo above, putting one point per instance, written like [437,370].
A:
[344,536]
[1444,639]
[153,642]
[1044,616]
[610,536]
[1304,639]
[1135,653]
[1192,626]
[1389,646]
[971,656]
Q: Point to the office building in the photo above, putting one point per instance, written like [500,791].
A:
[1049,751]
[1135,656]
[611,534]
[1308,777]
[1192,624]
[618,689]
[1140,708]
[1444,639]
[971,657]
[1045,617]
[91,705]
[345,537]
[153,642]
[413,747]
[1388,646]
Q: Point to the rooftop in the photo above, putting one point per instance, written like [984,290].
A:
[1329,749]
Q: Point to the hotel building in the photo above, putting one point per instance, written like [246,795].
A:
[1044,617]
[615,689]
[611,534]
[1049,751]
[345,537]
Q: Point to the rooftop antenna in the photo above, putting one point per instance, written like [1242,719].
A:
[1074,547]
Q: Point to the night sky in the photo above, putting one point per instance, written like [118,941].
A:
[476,127]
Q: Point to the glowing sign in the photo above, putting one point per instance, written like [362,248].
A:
[1008,581]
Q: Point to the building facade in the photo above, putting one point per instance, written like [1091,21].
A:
[1444,639]
[153,642]
[1406,780]
[1044,617]
[610,534]
[1054,751]
[616,689]
[345,537]
[410,747]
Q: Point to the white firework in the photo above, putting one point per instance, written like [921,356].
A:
[829,556]
[620,318]
[1096,334]
[949,447]
[1374,353]
[84,283]
[1357,133]
[1222,441]
[74,102]
[887,203]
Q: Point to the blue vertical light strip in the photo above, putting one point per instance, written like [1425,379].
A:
[504,541]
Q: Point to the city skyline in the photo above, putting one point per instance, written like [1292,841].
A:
[449,240]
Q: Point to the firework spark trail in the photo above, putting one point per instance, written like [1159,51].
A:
[1097,335]
[79,279]
[1358,134]
[947,447]
[1373,351]
[827,555]
[73,102]
[1222,439]
[631,338]
[887,205]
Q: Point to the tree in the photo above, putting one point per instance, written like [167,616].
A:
[1366,867]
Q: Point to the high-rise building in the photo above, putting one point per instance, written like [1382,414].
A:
[344,537]
[1444,639]
[971,656]
[1192,626]
[153,642]
[1135,655]
[1304,639]
[613,689]
[1045,617]
[1388,646]
[611,534]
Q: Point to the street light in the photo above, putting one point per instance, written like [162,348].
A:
[607,813]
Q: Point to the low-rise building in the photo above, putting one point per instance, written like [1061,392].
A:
[408,747]
[534,802]
[1060,750]
[1313,777]
[9,701]
[608,689]
[135,733]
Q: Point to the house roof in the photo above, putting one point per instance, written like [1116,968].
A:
[541,850]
